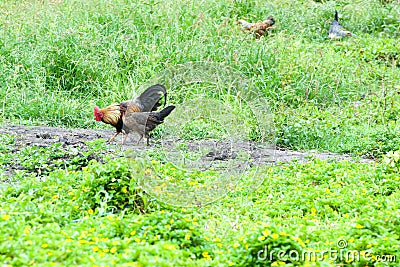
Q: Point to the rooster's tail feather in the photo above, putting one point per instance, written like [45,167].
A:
[165,112]
[150,98]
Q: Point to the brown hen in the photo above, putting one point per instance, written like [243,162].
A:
[142,122]
[258,28]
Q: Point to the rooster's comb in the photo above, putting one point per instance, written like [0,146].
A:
[96,110]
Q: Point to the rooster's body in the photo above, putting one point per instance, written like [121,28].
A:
[142,122]
[148,101]
[258,28]
[336,31]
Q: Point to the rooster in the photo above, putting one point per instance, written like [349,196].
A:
[336,31]
[258,28]
[148,101]
[142,122]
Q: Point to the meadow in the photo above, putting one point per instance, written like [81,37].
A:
[294,88]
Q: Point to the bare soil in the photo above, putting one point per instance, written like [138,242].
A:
[259,153]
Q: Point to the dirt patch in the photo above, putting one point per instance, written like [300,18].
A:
[45,136]
[211,150]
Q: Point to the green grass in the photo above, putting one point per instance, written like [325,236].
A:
[59,59]
[295,87]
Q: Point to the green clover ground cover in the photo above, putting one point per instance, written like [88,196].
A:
[98,215]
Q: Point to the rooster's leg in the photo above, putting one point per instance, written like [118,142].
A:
[113,137]
[140,139]
[124,140]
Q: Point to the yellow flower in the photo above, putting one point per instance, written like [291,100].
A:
[300,241]
[219,244]
[359,226]
[275,236]
[95,248]
[277,263]
[236,245]
[169,246]
[261,238]
[327,191]
[6,217]
[187,237]
[90,211]
[206,255]
[54,197]
[106,250]
[313,211]
[351,240]
[27,229]
[113,250]
[45,245]
[266,232]
[230,263]
[133,232]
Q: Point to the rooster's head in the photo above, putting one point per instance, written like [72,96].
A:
[98,115]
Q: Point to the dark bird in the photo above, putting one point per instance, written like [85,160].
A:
[148,101]
[258,28]
[142,122]
[336,31]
